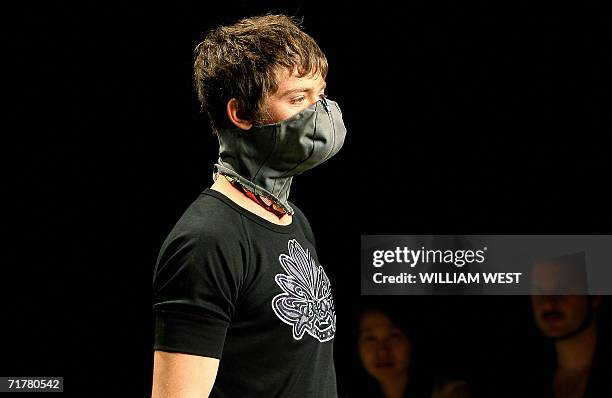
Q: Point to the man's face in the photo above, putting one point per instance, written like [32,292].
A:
[560,307]
[560,317]
[294,94]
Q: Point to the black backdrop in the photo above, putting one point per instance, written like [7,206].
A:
[461,119]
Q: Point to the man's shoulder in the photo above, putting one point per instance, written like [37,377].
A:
[298,213]
[300,219]
[208,217]
[207,229]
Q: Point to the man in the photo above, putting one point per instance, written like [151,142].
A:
[567,317]
[243,307]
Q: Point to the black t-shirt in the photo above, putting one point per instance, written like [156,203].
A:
[535,378]
[229,284]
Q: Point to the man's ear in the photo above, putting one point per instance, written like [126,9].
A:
[235,115]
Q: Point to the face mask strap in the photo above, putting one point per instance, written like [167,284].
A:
[325,103]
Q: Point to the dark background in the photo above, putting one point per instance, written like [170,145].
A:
[461,119]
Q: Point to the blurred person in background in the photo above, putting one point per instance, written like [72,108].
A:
[391,360]
[568,318]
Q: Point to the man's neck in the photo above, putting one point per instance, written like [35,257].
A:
[576,353]
[235,195]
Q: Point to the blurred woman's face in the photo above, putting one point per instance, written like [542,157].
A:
[383,348]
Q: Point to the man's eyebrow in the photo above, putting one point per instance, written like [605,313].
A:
[301,90]
[295,90]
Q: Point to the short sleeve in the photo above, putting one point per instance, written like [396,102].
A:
[196,284]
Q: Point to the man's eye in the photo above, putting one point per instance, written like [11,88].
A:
[298,100]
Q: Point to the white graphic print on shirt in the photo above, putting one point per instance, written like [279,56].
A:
[306,303]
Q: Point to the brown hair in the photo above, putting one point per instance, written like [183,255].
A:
[242,61]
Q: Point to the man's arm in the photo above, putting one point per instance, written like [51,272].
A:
[178,375]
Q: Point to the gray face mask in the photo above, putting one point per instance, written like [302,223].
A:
[265,158]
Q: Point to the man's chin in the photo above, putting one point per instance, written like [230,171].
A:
[559,334]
